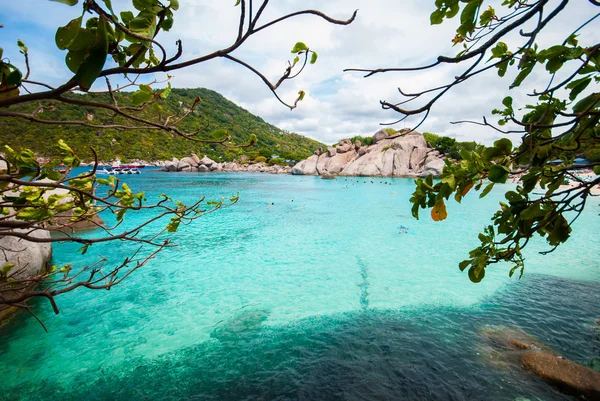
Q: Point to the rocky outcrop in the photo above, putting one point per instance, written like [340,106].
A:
[567,376]
[193,164]
[404,155]
[513,346]
[29,259]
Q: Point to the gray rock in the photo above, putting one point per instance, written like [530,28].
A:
[183,163]
[346,147]
[379,135]
[207,161]
[203,169]
[29,258]
[306,167]
[195,158]
[171,166]
[433,166]
[331,152]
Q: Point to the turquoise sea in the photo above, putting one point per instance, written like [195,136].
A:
[315,297]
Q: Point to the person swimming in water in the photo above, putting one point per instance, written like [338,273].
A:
[403,229]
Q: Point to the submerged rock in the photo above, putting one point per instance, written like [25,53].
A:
[511,346]
[567,376]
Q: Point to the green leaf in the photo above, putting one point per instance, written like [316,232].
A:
[299,47]
[65,35]
[22,46]
[6,268]
[487,190]
[498,174]
[142,5]
[586,103]
[436,17]
[313,58]
[144,23]
[450,180]
[476,274]
[84,249]
[14,78]
[174,4]
[126,17]
[532,211]
[74,59]
[67,2]
[578,86]
[91,68]
[507,102]
[504,145]
[523,74]
[167,24]
[84,41]
[141,97]
[109,6]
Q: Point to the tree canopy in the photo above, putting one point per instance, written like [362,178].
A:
[559,124]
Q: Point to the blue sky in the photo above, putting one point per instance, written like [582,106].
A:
[386,33]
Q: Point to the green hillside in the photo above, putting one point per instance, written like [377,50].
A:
[212,114]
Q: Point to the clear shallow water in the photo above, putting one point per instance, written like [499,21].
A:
[319,298]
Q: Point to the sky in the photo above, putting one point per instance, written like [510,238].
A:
[338,104]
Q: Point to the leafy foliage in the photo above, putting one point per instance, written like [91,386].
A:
[448,146]
[560,123]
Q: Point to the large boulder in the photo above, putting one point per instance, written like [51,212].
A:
[567,376]
[433,166]
[186,162]
[306,167]
[379,135]
[513,347]
[339,161]
[203,169]
[171,166]
[29,258]
[195,158]
[417,159]
[344,146]
[331,151]
[207,161]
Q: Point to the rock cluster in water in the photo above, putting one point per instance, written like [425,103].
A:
[518,347]
[405,154]
[193,164]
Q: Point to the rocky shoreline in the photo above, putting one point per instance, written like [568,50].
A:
[193,164]
[405,154]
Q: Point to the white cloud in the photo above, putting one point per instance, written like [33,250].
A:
[385,34]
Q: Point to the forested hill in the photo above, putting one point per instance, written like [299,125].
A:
[212,114]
